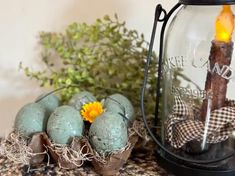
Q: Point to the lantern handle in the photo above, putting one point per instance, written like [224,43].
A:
[159,10]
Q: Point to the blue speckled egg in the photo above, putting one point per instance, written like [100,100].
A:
[108,133]
[79,99]
[64,124]
[118,103]
[50,102]
[30,119]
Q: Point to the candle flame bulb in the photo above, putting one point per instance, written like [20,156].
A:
[224,25]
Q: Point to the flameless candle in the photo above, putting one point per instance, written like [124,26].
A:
[220,55]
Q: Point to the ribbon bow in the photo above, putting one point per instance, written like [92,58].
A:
[182,125]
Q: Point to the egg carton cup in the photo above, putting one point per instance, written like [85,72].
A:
[70,156]
[24,150]
[111,164]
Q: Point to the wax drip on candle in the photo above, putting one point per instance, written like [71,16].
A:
[224,25]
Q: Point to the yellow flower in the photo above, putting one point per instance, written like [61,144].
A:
[91,110]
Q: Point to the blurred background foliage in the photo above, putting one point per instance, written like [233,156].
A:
[104,58]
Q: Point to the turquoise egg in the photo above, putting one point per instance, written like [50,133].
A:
[108,133]
[50,102]
[30,119]
[118,103]
[64,124]
[79,99]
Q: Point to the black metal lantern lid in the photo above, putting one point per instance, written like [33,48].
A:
[207,2]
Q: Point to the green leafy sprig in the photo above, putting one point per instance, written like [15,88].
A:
[104,58]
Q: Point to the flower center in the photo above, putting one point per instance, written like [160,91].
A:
[93,113]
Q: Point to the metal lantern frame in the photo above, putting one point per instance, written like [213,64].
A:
[167,159]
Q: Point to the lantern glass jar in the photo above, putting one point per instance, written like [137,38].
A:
[197,104]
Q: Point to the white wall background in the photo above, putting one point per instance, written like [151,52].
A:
[22,20]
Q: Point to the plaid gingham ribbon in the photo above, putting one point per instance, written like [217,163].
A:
[182,125]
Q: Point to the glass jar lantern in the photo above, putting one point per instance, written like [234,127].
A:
[195,103]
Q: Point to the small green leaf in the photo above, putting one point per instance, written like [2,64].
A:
[106,17]
[116,16]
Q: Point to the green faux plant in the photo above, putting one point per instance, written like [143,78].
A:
[103,58]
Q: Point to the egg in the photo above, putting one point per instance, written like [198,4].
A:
[79,99]
[50,102]
[118,103]
[30,119]
[108,133]
[64,124]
